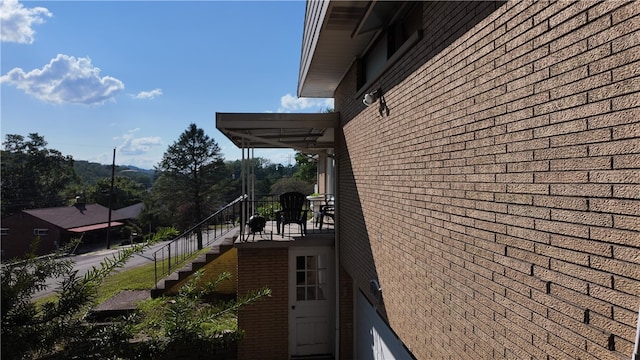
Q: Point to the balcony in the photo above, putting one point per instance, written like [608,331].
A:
[320,225]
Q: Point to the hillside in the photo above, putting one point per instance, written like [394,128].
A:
[91,172]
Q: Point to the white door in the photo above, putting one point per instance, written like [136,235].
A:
[310,301]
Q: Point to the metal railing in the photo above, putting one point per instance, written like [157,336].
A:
[175,253]
[268,206]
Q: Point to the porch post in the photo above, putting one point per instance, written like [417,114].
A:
[243,207]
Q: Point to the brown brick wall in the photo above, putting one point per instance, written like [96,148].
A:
[20,239]
[265,323]
[498,204]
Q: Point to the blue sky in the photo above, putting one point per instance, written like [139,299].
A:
[92,76]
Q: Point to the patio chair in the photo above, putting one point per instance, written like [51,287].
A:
[292,211]
[327,210]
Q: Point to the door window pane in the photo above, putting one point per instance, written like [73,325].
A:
[311,262]
[322,262]
[311,277]
[311,293]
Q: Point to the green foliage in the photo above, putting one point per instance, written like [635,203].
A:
[188,171]
[58,329]
[268,211]
[307,168]
[58,324]
[188,318]
[191,319]
[291,184]
[32,175]
[90,172]
[126,192]
[164,233]
[265,175]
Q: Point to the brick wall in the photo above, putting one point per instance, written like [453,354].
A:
[499,202]
[265,323]
[20,238]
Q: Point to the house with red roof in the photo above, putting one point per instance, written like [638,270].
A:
[56,226]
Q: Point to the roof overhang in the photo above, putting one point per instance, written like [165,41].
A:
[328,48]
[307,133]
[336,33]
[105,225]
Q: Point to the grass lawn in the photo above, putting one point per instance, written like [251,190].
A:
[138,278]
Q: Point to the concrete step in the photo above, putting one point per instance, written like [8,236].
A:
[121,304]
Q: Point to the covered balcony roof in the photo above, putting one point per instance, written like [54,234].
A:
[307,133]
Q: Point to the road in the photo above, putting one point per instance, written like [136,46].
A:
[85,262]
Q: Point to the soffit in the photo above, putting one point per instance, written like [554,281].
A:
[328,47]
[308,133]
[336,33]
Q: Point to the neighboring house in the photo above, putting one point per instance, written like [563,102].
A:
[131,211]
[55,227]
[487,202]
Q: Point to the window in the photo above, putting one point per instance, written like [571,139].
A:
[392,43]
[311,277]
[40,232]
[4,231]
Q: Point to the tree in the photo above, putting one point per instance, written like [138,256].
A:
[126,192]
[190,169]
[192,319]
[90,173]
[59,328]
[37,330]
[32,175]
[307,168]
[291,184]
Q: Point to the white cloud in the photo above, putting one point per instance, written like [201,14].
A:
[148,94]
[137,146]
[16,21]
[290,103]
[66,79]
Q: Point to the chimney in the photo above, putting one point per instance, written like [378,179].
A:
[79,203]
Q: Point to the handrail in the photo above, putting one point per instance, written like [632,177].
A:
[176,251]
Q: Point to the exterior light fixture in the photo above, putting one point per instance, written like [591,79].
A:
[376,290]
[372,97]
[375,287]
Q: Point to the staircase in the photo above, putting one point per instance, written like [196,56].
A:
[219,247]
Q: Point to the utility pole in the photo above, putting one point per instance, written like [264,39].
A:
[113,174]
